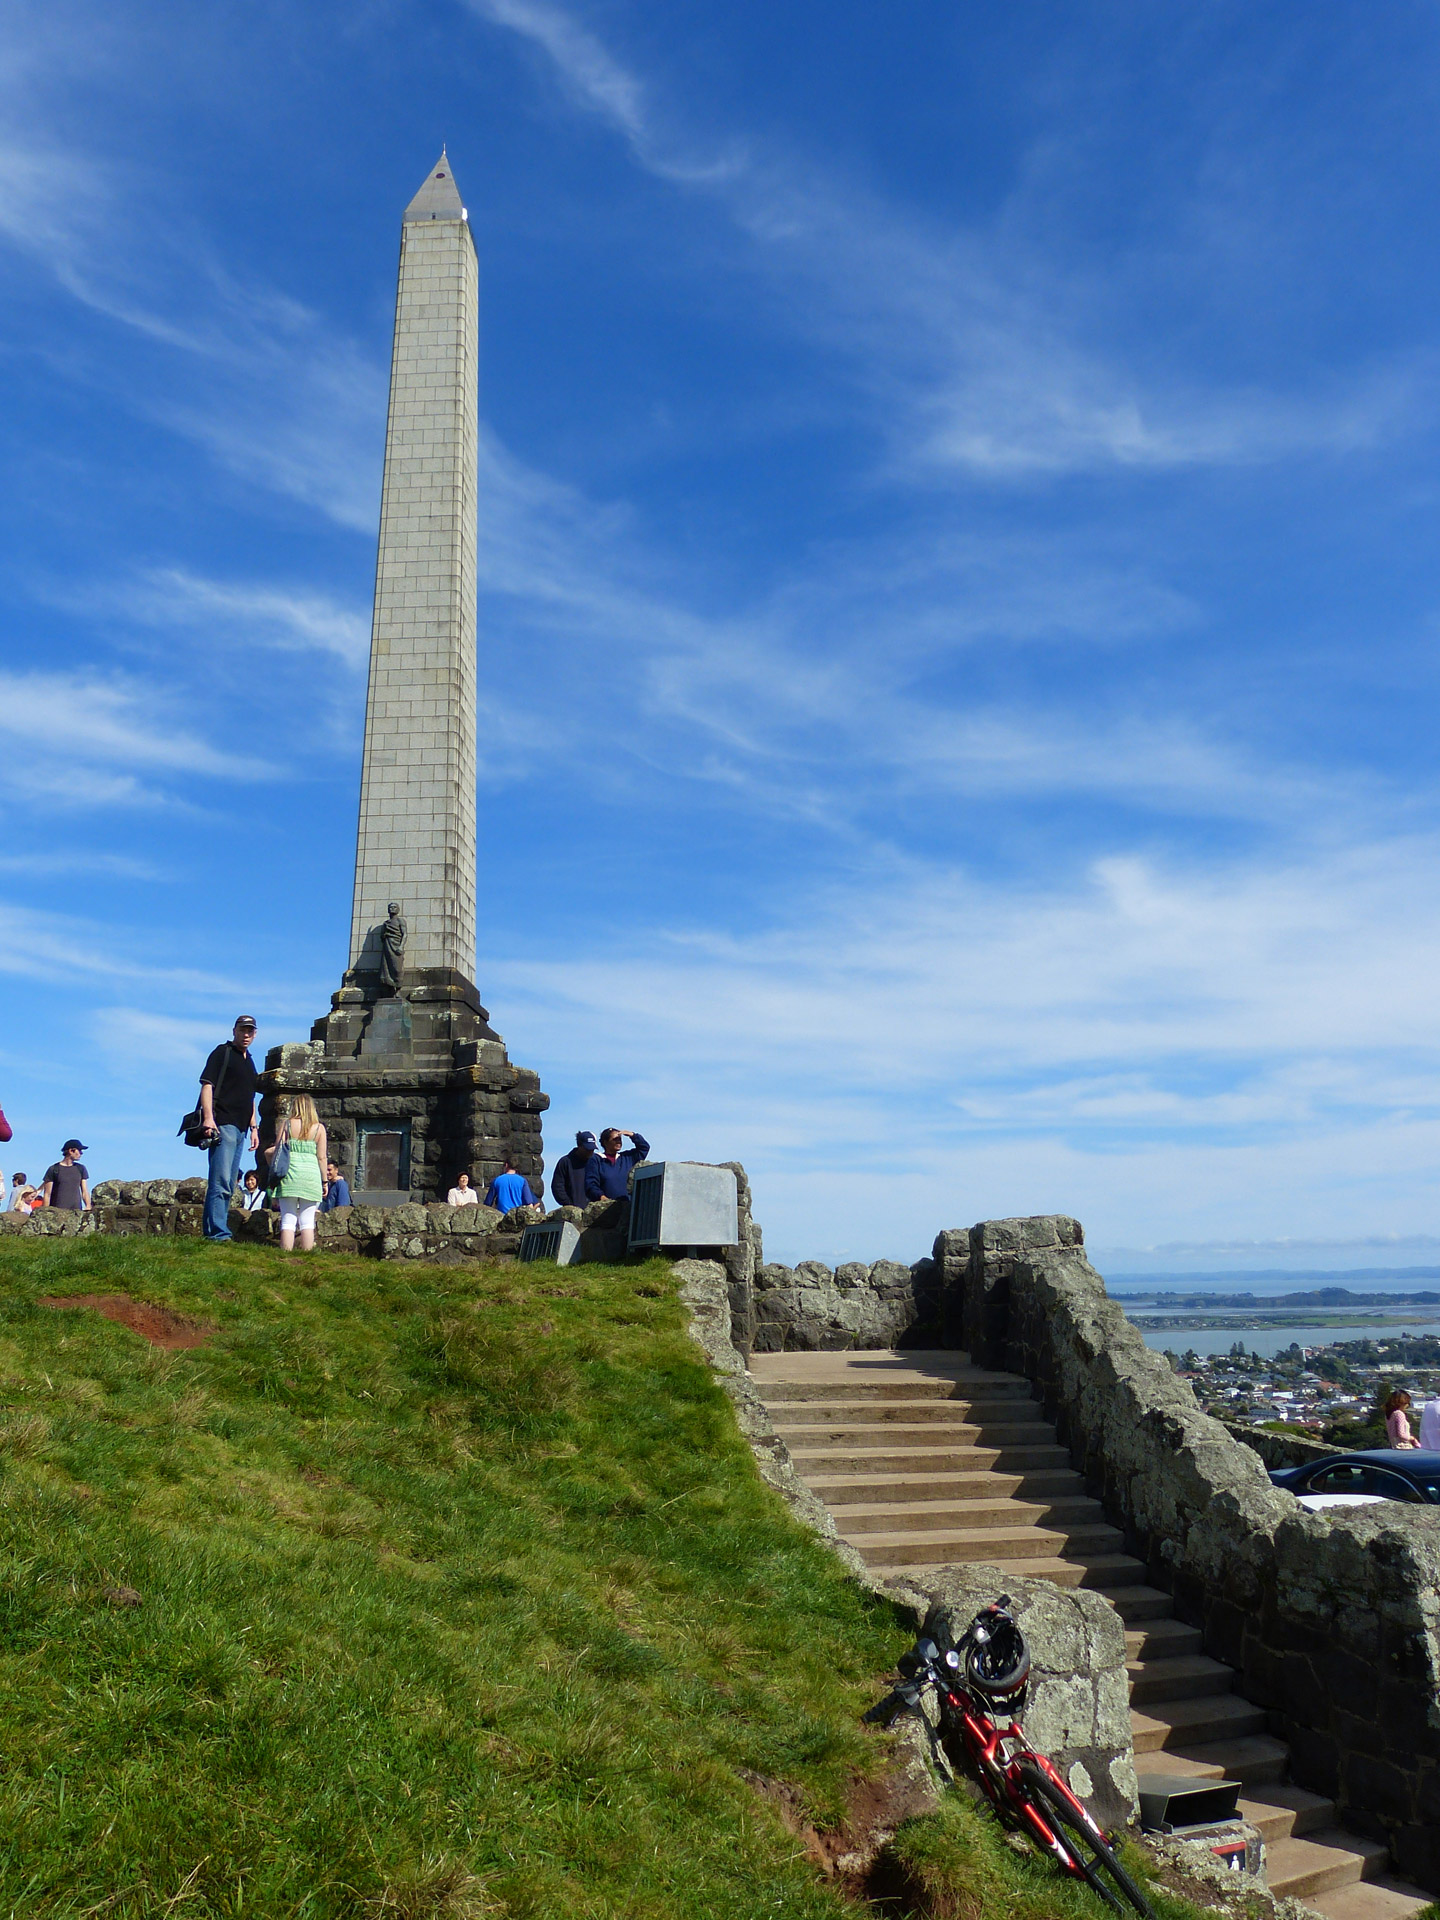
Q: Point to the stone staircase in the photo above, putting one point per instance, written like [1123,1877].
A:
[925,1461]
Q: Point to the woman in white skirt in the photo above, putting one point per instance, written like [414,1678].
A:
[303,1186]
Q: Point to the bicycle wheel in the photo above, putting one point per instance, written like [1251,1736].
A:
[1035,1817]
[1080,1824]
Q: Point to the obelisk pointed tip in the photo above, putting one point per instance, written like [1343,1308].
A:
[439,197]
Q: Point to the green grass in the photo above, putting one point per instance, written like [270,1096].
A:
[459,1595]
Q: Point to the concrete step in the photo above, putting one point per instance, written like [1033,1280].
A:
[937,1455]
[854,1366]
[1135,1601]
[901,1413]
[1185,1676]
[1255,1761]
[839,1490]
[778,1393]
[1160,1637]
[916,1434]
[969,1516]
[1282,1810]
[1329,1858]
[1102,1571]
[1382,1898]
[989,1546]
[1189,1723]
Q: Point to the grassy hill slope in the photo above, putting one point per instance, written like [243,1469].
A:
[458,1594]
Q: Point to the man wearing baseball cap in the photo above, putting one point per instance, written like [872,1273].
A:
[228,1085]
[567,1183]
[67,1183]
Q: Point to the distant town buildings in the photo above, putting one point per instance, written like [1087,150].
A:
[1312,1387]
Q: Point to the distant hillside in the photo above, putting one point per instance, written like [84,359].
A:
[1331,1297]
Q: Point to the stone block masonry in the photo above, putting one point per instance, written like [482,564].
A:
[417,791]
[412,1081]
[460,1116]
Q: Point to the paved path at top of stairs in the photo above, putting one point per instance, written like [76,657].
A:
[926,1461]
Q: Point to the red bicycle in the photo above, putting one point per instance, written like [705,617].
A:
[980,1688]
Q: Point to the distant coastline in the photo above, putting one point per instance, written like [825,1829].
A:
[1314,1307]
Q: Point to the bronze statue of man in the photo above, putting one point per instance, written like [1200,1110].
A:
[392,947]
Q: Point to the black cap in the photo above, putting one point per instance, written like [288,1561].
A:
[78,1146]
[246,1020]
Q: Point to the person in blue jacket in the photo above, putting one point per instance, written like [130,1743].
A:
[607,1173]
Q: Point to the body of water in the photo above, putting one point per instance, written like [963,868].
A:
[1268,1341]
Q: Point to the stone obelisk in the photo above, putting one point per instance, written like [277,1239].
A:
[412,1081]
[417,785]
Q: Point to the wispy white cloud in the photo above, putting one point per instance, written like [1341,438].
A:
[40,945]
[939,979]
[1159,1049]
[58,861]
[79,741]
[263,615]
[602,85]
[976,356]
[134,1037]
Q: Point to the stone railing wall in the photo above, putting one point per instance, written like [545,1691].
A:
[1331,1621]
[1279,1449]
[173,1207]
[413,1232]
[812,1308]
[1079,1705]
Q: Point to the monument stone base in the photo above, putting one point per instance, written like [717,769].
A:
[415,1088]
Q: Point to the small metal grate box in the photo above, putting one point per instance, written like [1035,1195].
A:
[681,1203]
[557,1240]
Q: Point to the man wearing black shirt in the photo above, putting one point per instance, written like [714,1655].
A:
[67,1183]
[228,1084]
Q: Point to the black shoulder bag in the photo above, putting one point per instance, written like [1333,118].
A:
[192,1125]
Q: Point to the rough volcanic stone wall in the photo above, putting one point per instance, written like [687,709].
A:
[417,1231]
[1079,1705]
[813,1308]
[1332,1622]
[1280,1449]
[413,1232]
[742,1263]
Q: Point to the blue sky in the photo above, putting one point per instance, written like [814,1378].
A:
[959,586]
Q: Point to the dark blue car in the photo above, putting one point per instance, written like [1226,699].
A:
[1357,1479]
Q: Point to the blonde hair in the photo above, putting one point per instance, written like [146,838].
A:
[299,1106]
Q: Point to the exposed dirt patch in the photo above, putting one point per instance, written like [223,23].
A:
[873,1810]
[158,1325]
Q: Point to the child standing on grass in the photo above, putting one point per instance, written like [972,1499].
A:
[303,1186]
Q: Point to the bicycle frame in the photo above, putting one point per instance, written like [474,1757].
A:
[994,1753]
[1026,1791]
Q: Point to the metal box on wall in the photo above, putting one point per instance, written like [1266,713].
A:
[682,1203]
[557,1240]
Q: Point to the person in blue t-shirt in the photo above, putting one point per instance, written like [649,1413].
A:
[337,1189]
[509,1189]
